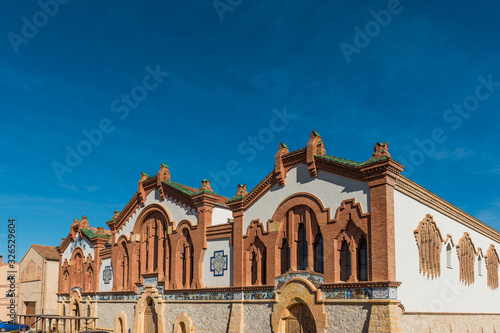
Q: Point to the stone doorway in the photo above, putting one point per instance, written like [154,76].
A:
[300,320]
[75,311]
[150,318]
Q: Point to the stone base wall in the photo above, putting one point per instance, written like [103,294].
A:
[450,323]
[106,311]
[355,317]
[346,318]
[257,317]
[207,317]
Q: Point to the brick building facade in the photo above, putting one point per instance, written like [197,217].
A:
[321,244]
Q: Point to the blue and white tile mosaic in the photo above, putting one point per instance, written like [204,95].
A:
[218,263]
[316,280]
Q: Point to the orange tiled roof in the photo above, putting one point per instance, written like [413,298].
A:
[49,252]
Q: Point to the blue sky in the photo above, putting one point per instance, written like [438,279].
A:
[233,66]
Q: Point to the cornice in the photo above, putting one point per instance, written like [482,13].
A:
[361,284]
[426,197]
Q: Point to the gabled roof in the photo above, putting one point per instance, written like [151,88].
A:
[48,252]
[92,232]
[167,188]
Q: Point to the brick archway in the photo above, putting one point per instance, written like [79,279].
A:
[298,293]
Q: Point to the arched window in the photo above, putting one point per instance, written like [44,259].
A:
[263,269]
[318,254]
[155,244]
[79,271]
[448,256]
[123,265]
[345,261]
[66,280]
[362,260]
[285,256]
[166,255]
[89,276]
[302,248]
[187,259]
[146,238]
[254,267]
[88,310]
[480,265]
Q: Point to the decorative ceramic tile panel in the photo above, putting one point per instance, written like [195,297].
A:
[107,274]
[218,263]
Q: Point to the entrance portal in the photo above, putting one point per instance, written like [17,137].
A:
[150,318]
[300,320]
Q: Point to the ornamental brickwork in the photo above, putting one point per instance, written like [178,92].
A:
[311,254]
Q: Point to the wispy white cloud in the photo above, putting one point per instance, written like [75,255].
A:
[69,187]
[457,154]
[92,188]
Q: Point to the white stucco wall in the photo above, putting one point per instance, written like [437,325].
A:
[103,286]
[445,293]
[220,215]
[79,242]
[330,188]
[209,279]
[177,211]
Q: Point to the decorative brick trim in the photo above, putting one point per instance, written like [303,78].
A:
[426,197]
[492,263]
[466,256]
[429,243]
[279,169]
[361,284]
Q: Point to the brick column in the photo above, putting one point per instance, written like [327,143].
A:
[236,205]
[381,177]
[205,200]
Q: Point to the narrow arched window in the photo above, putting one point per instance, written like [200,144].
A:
[362,260]
[285,256]
[184,264]
[254,268]
[302,248]
[448,256]
[88,310]
[318,254]
[345,262]
[147,248]
[155,246]
[264,267]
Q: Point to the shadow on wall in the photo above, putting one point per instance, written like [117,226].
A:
[366,325]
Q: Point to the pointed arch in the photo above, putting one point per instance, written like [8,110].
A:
[149,304]
[466,257]
[153,227]
[429,243]
[492,263]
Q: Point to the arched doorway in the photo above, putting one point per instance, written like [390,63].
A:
[75,311]
[300,320]
[120,326]
[150,318]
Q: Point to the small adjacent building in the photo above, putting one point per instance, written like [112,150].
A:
[39,278]
[6,296]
